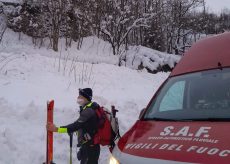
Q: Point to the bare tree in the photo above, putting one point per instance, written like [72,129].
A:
[3,25]
[164,25]
[2,32]
[178,20]
[55,11]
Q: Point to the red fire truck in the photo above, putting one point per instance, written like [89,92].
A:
[188,118]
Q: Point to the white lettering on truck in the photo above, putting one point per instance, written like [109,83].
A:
[203,130]
[213,151]
[177,148]
[224,153]
[185,132]
[167,131]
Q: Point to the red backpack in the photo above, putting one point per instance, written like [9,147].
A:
[108,129]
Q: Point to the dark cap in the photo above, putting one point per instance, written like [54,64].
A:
[87,93]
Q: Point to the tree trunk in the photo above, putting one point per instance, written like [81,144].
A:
[55,42]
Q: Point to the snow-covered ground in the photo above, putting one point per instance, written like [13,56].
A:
[12,1]
[30,76]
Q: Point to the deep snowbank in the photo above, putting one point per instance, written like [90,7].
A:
[94,50]
[139,57]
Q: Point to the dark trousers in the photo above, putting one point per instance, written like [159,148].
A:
[89,154]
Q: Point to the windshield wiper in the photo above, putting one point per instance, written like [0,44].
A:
[189,119]
[161,119]
[208,119]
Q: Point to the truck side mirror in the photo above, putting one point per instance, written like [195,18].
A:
[141,113]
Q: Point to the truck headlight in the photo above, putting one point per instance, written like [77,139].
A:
[113,160]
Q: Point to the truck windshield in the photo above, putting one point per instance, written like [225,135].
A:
[197,96]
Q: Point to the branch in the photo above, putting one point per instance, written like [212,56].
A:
[106,32]
[2,33]
[141,22]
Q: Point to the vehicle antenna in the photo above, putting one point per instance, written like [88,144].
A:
[220,66]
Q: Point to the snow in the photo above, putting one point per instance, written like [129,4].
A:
[12,1]
[30,76]
[149,58]
[92,46]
